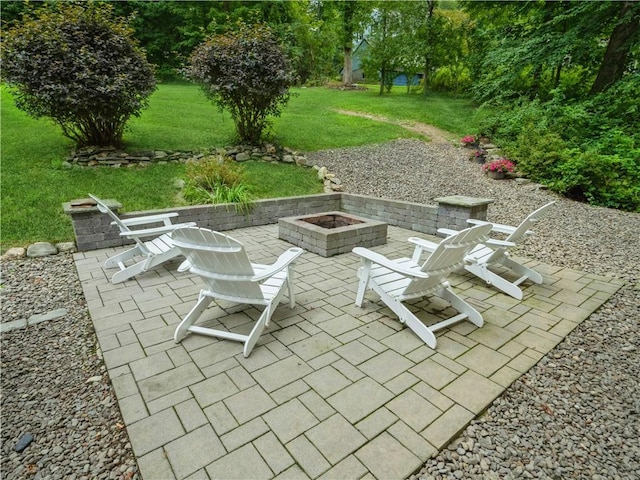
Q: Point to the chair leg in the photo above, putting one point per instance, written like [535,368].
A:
[419,328]
[128,272]
[184,266]
[405,316]
[192,316]
[257,329]
[158,259]
[521,270]
[363,274]
[122,257]
[495,280]
[463,307]
[290,288]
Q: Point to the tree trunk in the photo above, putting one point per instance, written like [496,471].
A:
[616,56]
[431,4]
[556,80]
[426,73]
[347,69]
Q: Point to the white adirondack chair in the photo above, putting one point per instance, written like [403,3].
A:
[495,253]
[145,254]
[404,279]
[224,266]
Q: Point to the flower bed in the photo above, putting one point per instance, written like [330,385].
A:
[499,168]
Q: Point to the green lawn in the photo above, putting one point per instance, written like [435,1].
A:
[35,184]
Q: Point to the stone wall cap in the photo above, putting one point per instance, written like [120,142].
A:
[86,205]
[464,201]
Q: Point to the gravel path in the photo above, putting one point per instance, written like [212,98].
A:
[574,415]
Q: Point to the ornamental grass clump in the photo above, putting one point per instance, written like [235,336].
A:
[502,165]
[217,179]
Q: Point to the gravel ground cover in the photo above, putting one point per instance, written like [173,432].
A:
[574,415]
[54,384]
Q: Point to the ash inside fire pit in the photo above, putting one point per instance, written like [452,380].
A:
[332,221]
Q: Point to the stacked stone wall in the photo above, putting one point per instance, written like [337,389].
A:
[94,230]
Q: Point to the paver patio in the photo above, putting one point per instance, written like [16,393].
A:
[331,390]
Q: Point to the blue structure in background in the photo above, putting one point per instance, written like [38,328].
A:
[399,80]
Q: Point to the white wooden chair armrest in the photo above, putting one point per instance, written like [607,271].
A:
[447,232]
[424,244]
[148,232]
[373,257]
[283,262]
[497,227]
[499,243]
[421,245]
[161,217]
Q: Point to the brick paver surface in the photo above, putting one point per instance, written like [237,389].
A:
[331,390]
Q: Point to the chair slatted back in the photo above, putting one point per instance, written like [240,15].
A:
[223,261]
[449,257]
[103,208]
[521,231]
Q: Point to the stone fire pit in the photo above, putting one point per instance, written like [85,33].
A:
[331,233]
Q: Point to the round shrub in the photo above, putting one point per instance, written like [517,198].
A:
[246,73]
[80,66]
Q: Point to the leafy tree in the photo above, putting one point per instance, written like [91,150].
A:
[81,67]
[414,37]
[624,37]
[168,31]
[352,13]
[383,44]
[246,73]
[531,48]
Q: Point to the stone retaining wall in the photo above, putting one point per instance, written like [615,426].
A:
[93,230]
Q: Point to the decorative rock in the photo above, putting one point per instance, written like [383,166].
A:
[94,156]
[41,249]
[43,317]
[522,181]
[24,442]
[15,252]
[322,173]
[66,247]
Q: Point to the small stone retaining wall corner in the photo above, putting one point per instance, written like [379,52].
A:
[94,230]
[454,211]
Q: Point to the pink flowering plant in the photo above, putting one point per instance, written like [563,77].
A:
[481,152]
[503,165]
[468,140]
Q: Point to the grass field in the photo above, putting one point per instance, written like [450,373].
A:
[34,183]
